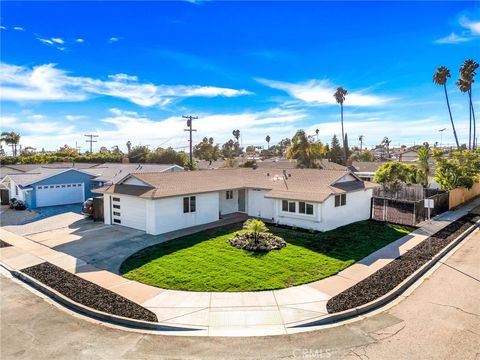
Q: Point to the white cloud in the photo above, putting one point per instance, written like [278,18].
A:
[470,31]
[37,117]
[45,41]
[123,77]
[46,82]
[58,40]
[3,27]
[452,39]
[18,28]
[74,117]
[472,26]
[320,92]
[79,40]
[114,39]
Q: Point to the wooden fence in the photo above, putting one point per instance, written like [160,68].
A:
[461,195]
[405,208]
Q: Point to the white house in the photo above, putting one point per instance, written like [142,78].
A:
[307,198]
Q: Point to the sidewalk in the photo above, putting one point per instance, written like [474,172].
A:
[225,313]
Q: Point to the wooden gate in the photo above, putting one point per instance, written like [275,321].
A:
[4,198]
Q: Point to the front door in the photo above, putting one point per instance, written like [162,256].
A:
[241,200]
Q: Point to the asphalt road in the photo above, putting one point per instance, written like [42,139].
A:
[440,320]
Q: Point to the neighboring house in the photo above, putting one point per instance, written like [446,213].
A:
[365,170]
[307,198]
[50,185]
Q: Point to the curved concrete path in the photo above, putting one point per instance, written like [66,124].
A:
[222,313]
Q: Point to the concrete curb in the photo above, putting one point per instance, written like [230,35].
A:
[92,313]
[393,294]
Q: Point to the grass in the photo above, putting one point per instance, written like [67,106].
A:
[206,262]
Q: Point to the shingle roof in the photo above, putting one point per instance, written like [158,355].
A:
[25,179]
[112,172]
[300,184]
[366,166]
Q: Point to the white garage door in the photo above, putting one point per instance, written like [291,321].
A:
[59,194]
[129,211]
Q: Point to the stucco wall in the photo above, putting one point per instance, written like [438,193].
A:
[258,205]
[169,215]
[228,206]
[357,208]
[300,220]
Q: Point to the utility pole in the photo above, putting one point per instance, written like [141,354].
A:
[91,141]
[189,124]
[77,147]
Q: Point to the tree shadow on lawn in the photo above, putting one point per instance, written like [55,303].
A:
[352,242]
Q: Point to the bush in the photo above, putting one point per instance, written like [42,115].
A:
[256,238]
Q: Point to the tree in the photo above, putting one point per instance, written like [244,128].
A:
[316,132]
[340,98]
[138,154]
[104,150]
[206,150]
[11,138]
[440,78]
[467,75]
[461,169]
[347,148]
[392,176]
[336,154]
[129,147]
[166,156]
[302,150]
[360,138]
[386,144]
[116,150]
[28,151]
[267,139]
[236,134]
[423,162]
[231,149]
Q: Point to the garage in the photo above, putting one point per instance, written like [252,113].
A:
[60,194]
[129,211]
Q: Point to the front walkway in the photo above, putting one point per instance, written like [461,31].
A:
[223,313]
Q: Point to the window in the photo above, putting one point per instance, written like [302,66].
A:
[57,186]
[116,213]
[284,205]
[116,199]
[189,204]
[340,200]
[291,206]
[69,185]
[63,186]
[229,194]
[118,221]
[116,206]
[305,208]
[74,185]
[16,190]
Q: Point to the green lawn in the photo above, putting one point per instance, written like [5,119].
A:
[206,262]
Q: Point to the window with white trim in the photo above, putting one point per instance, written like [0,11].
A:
[340,200]
[229,194]
[189,204]
[305,208]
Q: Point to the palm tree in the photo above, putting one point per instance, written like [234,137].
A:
[236,134]
[316,132]
[12,139]
[467,75]
[340,98]
[360,138]
[267,139]
[386,143]
[440,78]
[129,146]
[424,164]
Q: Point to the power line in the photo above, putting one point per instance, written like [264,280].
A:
[189,124]
[91,141]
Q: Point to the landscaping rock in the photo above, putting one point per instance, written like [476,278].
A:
[391,275]
[88,293]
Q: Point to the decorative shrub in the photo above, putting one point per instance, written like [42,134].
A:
[256,238]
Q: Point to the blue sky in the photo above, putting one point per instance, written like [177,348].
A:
[129,71]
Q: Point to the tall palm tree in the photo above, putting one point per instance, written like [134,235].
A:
[316,132]
[11,138]
[440,78]
[386,143]
[467,78]
[267,139]
[340,98]
[236,134]
[360,138]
